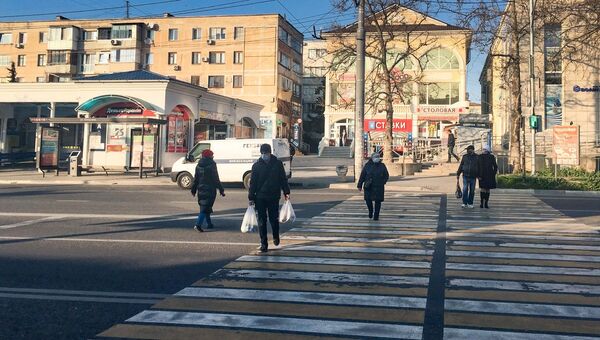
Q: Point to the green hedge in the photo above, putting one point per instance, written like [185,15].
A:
[569,179]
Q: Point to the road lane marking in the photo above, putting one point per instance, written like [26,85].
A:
[279,324]
[369,250]
[522,245]
[522,269]
[73,201]
[305,297]
[335,261]
[157,218]
[74,239]
[511,308]
[525,286]
[30,222]
[322,277]
[80,292]
[360,231]
[532,256]
[451,333]
[78,298]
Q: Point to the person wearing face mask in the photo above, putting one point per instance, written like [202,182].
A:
[372,180]
[487,175]
[469,168]
[267,182]
[206,183]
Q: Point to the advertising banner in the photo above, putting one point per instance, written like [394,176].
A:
[117,140]
[400,125]
[148,151]
[49,148]
[566,145]
[177,134]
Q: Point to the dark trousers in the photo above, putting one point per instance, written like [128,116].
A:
[451,153]
[375,213]
[268,208]
[468,190]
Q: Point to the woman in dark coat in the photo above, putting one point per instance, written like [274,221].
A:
[206,183]
[487,175]
[372,179]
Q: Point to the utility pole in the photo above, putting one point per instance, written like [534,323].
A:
[533,119]
[359,107]
[127,9]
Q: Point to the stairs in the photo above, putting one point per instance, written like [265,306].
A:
[336,152]
[438,169]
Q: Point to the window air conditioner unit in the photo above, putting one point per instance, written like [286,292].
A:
[177,68]
[152,26]
[210,42]
[205,59]
[148,41]
[115,42]
[19,45]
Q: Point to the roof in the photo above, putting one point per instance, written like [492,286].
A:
[399,28]
[93,104]
[129,75]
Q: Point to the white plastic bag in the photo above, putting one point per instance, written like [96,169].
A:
[287,212]
[250,222]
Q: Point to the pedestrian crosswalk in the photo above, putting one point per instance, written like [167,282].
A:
[428,269]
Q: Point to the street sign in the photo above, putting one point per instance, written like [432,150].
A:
[400,125]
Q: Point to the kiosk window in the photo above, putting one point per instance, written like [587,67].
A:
[197,150]
[98,137]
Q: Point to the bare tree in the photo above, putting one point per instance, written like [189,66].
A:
[398,35]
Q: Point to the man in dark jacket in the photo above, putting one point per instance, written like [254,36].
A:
[451,144]
[470,170]
[266,184]
[206,183]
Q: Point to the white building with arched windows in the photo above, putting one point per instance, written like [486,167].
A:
[428,61]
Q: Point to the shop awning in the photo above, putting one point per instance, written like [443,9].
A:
[114,120]
[96,103]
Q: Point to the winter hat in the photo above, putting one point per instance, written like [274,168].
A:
[486,148]
[265,148]
[207,153]
[470,147]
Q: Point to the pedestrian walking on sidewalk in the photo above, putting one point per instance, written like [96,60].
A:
[206,183]
[469,168]
[373,178]
[292,152]
[266,184]
[487,175]
[451,144]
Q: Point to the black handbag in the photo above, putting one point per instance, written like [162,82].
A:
[458,192]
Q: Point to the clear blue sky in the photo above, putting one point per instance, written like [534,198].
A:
[302,13]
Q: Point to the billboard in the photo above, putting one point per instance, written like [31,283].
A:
[566,145]
[400,125]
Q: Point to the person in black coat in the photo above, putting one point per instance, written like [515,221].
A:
[469,168]
[373,178]
[267,182]
[487,175]
[451,144]
[206,183]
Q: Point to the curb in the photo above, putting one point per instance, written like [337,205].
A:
[81,182]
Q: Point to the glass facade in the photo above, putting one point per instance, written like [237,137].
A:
[552,76]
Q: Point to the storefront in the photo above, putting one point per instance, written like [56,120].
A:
[103,109]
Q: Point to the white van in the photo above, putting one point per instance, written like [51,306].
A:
[234,158]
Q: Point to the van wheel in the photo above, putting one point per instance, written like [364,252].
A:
[247,178]
[185,180]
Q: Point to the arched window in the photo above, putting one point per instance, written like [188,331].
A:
[399,60]
[439,59]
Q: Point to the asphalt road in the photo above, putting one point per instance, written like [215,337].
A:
[76,260]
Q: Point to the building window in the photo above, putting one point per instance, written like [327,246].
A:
[196,58]
[284,60]
[196,33]
[86,63]
[41,60]
[22,38]
[296,67]
[149,59]
[5,60]
[315,53]
[43,37]
[216,81]
[217,33]
[284,35]
[40,79]
[61,33]
[286,83]
[123,56]
[103,57]
[238,81]
[297,90]
[104,33]
[217,57]
[5,38]
[238,57]
[150,34]
[172,58]
[21,60]
[315,71]
[440,59]
[173,34]
[90,35]
[439,93]
[57,58]
[122,32]
[195,80]
[238,33]
[553,76]
[296,45]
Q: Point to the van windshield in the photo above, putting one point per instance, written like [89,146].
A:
[196,151]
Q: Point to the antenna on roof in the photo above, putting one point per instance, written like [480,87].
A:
[127,9]
[317,36]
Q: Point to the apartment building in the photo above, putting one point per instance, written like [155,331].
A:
[257,58]
[313,91]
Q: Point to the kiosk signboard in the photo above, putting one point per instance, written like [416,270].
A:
[49,147]
[566,145]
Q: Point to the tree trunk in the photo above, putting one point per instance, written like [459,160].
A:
[389,122]
[514,73]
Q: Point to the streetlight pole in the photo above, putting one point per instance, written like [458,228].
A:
[359,107]
[531,85]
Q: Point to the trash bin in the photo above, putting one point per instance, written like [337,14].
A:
[75,163]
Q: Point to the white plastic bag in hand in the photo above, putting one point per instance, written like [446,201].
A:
[287,212]
[250,222]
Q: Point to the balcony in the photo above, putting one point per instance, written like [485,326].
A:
[61,69]
[70,45]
